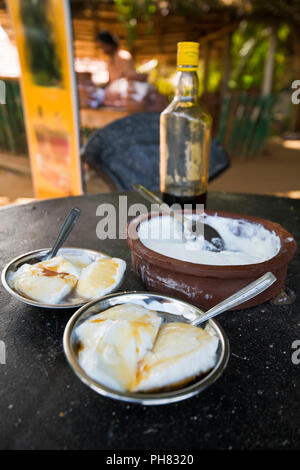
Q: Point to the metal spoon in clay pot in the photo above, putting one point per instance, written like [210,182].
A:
[191,228]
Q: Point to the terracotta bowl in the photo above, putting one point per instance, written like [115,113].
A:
[206,285]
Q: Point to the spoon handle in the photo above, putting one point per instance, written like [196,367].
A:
[238,298]
[147,194]
[162,205]
[68,225]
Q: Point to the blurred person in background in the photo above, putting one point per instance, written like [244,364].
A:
[120,62]
[126,88]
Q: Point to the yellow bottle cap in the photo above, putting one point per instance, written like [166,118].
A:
[187,55]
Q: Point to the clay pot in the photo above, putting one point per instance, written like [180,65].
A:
[206,285]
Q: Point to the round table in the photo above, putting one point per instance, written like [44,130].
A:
[254,405]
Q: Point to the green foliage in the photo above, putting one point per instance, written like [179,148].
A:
[40,49]
[250,44]
[164,81]
[131,12]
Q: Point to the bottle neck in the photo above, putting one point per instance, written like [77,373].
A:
[187,87]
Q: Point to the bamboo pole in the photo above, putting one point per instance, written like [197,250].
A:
[207,57]
[270,61]
[226,64]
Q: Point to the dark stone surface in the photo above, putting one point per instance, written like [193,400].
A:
[43,405]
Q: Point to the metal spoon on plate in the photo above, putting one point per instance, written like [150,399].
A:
[247,293]
[64,232]
[191,228]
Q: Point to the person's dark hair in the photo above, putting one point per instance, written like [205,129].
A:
[107,38]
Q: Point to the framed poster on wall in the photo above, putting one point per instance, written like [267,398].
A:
[43,35]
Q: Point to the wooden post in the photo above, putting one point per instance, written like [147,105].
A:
[269,64]
[226,63]
[207,55]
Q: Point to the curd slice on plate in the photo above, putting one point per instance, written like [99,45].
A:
[181,352]
[112,343]
[42,284]
[99,277]
[127,348]
[60,264]
[51,281]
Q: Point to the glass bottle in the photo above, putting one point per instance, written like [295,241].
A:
[185,135]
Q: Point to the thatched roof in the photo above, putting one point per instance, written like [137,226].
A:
[266,10]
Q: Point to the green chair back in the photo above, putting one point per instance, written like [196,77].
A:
[245,122]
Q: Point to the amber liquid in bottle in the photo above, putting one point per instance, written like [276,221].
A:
[183,201]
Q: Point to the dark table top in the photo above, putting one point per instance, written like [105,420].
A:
[43,405]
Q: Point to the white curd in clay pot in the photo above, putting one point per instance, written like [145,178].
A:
[245,242]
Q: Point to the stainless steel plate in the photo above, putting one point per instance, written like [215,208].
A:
[161,303]
[11,267]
